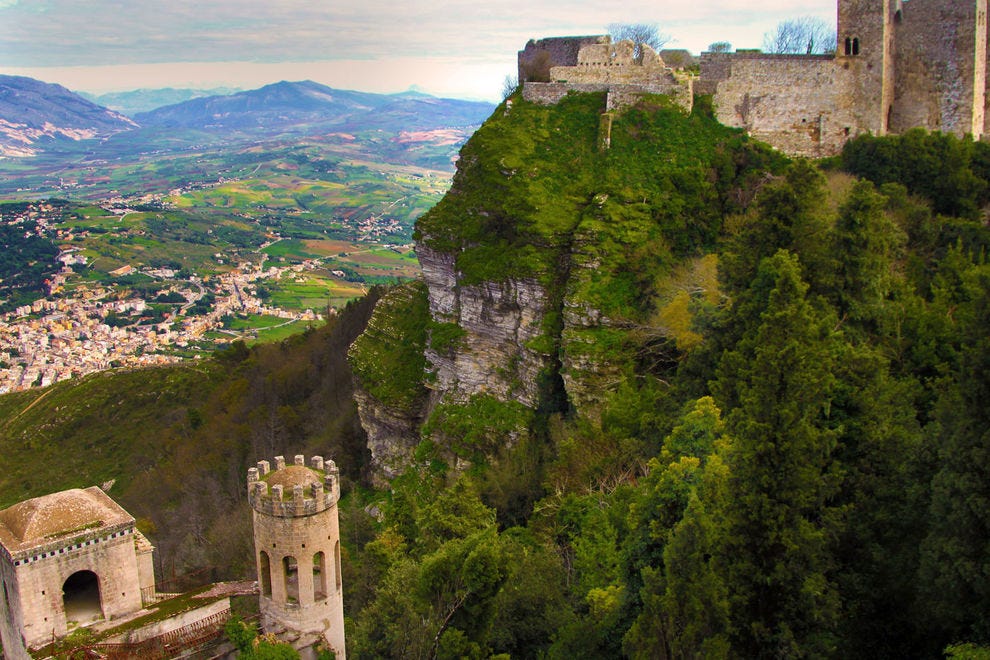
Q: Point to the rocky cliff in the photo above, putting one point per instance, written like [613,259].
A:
[557,274]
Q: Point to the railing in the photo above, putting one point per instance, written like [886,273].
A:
[161,647]
[166,587]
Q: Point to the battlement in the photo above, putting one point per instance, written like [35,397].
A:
[294,490]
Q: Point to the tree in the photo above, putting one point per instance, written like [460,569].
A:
[639,33]
[806,35]
[720,47]
[775,526]
[509,85]
[955,570]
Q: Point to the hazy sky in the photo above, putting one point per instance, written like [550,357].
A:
[461,48]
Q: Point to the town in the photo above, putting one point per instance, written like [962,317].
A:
[80,327]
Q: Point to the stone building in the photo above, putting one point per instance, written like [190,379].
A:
[550,68]
[297,547]
[68,559]
[898,64]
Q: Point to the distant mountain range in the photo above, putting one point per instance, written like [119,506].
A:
[286,104]
[33,113]
[143,100]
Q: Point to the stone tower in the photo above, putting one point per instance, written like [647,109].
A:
[865,51]
[297,547]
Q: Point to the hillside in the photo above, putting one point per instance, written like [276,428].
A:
[669,395]
[286,104]
[33,113]
[700,400]
[135,101]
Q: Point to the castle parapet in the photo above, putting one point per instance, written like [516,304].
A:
[294,490]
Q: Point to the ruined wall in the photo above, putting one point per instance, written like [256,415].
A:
[562,51]
[941,66]
[794,102]
[619,95]
[614,68]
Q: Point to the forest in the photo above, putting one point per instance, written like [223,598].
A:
[795,467]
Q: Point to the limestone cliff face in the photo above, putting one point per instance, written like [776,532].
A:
[389,374]
[392,435]
[500,323]
[543,271]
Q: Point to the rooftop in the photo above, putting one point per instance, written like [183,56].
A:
[44,519]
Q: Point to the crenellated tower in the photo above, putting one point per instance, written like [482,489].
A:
[297,546]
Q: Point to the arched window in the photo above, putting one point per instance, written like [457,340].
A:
[265,574]
[849,46]
[290,573]
[81,597]
[319,576]
[336,563]
[856,46]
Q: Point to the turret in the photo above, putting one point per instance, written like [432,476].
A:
[297,546]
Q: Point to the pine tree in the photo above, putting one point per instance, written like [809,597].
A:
[773,552]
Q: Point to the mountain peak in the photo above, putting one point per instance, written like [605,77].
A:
[32,110]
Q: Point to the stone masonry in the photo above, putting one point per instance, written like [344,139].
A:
[898,64]
[297,547]
[68,559]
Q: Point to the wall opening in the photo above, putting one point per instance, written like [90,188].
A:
[849,46]
[855,46]
[290,573]
[81,597]
[265,574]
[319,576]
[336,563]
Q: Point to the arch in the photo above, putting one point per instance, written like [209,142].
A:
[265,574]
[290,573]
[319,576]
[81,597]
[336,563]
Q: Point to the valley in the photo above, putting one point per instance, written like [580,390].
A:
[163,243]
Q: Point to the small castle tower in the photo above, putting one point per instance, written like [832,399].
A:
[865,49]
[297,547]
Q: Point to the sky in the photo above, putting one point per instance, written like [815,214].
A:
[451,48]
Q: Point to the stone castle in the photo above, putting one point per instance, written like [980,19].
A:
[898,64]
[297,547]
[76,559]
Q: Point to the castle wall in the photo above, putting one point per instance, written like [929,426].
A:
[941,67]
[898,64]
[794,102]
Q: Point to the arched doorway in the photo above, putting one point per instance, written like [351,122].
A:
[81,597]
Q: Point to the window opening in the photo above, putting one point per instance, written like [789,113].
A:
[265,576]
[290,572]
[319,576]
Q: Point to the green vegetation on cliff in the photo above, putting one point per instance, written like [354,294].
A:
[770,444]
[770,437]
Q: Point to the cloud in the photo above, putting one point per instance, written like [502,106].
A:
[431,42]
[47,32]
